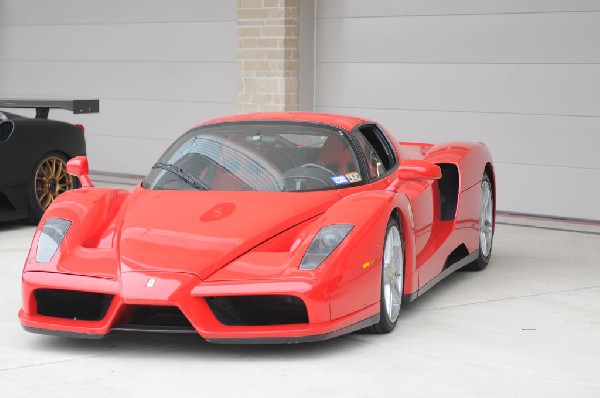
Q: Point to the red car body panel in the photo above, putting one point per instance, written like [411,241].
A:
[238,243]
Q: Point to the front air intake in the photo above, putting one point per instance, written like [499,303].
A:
[72,304]
[258,310]
[152,316]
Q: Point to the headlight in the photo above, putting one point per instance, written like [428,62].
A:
[53,232]
[328,238]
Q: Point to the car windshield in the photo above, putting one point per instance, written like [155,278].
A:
[257,156]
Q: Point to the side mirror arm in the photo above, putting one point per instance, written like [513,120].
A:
[78,167]
[415,170]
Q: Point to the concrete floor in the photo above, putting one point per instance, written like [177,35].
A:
[527,326]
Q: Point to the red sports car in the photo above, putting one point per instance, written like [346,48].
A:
[262,228]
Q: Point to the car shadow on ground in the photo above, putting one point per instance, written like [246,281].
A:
[7,226]
[183,345]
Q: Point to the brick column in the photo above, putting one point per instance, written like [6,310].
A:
[267,55]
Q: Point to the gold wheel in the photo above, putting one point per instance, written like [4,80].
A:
[51,179]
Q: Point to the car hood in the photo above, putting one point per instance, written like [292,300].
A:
[199,232]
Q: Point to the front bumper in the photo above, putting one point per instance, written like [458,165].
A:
[189,294]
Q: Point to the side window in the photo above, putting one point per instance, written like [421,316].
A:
[377,149]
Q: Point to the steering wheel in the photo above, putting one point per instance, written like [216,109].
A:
[300,178]
[319,167]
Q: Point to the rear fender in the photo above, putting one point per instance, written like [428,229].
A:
[470,157]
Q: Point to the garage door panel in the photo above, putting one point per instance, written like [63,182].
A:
[196,82]
[35,12]
[109,42]
[527,89]
[361,8]
[558,191]
[522,76]
[507,38]
[131,135]
[128,136]
[524,139]
[127,155]
[157,66]
[146,119]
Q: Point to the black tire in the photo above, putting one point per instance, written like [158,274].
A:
[483,259]
[37,206]
[385,324]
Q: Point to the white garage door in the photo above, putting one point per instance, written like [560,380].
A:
[523,76]
[158,67]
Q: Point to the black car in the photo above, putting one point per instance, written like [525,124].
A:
[34,154]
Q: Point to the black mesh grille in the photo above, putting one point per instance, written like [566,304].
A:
[258,310]
[71,304]
[448,186]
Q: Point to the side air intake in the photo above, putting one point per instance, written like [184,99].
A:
[448,185]
[71,304]
[457,254]
[258,310]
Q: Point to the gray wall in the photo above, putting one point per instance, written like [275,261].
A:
[158,67]
[523,76]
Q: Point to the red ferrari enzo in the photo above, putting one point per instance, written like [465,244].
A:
[262,228]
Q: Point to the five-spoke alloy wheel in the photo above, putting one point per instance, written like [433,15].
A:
[392,279]
[486,226]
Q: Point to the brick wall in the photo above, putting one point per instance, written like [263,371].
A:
[267,55]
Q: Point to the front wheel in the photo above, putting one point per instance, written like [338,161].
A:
[48,180]
[392,279]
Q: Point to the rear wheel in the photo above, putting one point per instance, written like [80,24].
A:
[48,180]
[392,279]
[486,226]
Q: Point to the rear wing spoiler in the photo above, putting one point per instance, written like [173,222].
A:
[42,107]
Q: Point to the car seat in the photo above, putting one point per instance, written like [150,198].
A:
[337,156]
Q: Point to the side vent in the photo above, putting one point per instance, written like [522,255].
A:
[457,254]
[448,186]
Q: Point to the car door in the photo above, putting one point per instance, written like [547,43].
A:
[381,160]
[376,157]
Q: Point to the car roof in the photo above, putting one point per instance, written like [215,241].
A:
[342,121]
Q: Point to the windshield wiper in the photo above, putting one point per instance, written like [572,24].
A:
[181,173]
